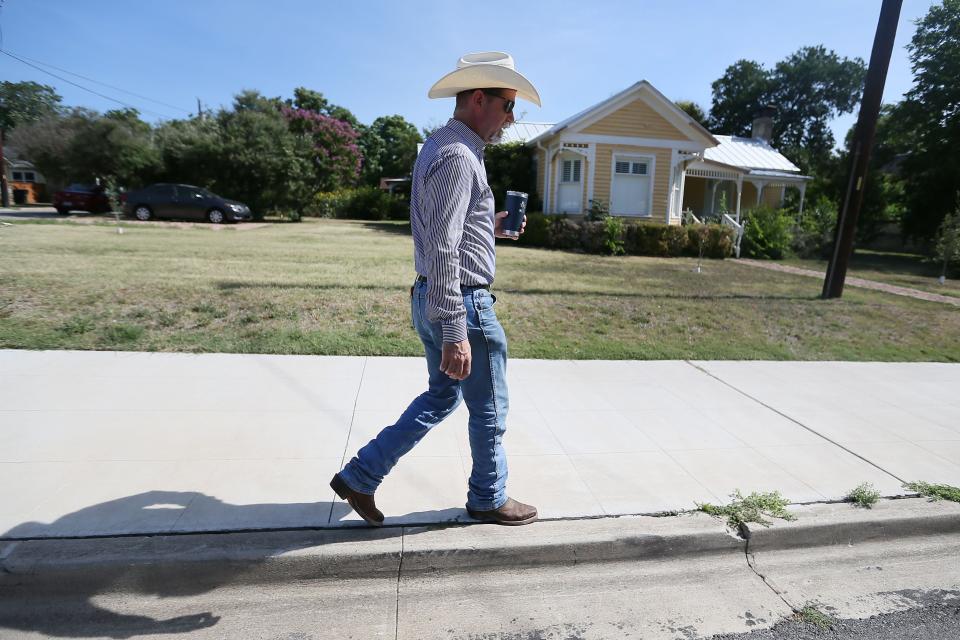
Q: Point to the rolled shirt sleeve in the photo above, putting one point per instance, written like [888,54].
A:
[446,200]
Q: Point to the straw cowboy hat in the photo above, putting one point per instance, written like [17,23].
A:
[487,70]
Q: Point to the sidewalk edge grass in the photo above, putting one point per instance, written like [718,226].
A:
[755,507]
[864,495]
[935,491]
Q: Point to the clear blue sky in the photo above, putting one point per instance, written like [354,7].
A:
[379,58]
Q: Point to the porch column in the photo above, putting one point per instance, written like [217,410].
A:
[739,192]
[803,190]
[588,160]
[759,186]
[546,180]
[548,183]
[683,184]
[713,195]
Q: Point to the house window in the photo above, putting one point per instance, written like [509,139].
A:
[18,176]
[28,176]
[571,171]
[631,168]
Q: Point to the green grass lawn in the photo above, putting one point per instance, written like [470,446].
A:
[900,269]
[338,287]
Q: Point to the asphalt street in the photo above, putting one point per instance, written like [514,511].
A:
[934,622]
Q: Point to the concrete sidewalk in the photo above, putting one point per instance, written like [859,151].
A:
[109,443]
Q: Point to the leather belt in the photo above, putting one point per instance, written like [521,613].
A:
[464,287]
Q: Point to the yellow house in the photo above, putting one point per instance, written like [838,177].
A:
[644,157]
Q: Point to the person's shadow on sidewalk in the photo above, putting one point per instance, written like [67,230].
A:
[26,606]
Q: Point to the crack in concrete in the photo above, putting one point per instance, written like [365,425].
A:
[796,422]
[396,622]
[750,563]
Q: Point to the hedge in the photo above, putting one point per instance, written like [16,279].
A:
[362,203]
[614,236]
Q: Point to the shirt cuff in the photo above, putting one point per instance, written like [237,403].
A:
[456,331]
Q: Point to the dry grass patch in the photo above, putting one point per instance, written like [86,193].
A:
[339,287]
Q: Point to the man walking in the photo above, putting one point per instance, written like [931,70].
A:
[454,225]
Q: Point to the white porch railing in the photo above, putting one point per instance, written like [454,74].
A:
[727,219]
[738,229]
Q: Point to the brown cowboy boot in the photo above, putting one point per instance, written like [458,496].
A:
[511,513]
[362,503]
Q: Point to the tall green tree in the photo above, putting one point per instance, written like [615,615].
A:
[883,192]
[372,148]
[744,87]
[400,139]
[810,87]
[389,148]
[191,151]
[693,110]
[48,141]
[259,160]
[117,144]
[81,145]
[931,117]
[22,103]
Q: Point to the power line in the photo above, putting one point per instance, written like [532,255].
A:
[80,86]
[104,84]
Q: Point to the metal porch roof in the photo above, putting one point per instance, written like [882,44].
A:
[523,131]
[749,153]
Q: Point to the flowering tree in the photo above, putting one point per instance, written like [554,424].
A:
[336,154]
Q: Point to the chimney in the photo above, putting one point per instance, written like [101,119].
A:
[763,123]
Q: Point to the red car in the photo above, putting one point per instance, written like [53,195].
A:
[81,197]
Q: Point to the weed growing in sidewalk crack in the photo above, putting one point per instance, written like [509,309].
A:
[935,491]
[865,495]
[811,615]
[752,508]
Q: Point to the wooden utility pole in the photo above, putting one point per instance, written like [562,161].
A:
[861,146]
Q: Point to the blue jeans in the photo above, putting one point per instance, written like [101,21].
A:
[484,391]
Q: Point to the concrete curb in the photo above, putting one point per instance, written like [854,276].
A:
[206,561]
[820,525]
[285,556]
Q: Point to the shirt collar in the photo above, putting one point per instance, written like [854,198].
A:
[469,135]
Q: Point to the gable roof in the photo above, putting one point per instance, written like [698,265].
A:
[749,153]
[523,131]
[663,104]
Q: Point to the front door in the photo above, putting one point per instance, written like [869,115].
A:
[630,193]
[570,189]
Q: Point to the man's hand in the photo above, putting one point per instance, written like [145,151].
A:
[498,225]
[455,361]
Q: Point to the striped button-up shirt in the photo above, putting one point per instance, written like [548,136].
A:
[452,218]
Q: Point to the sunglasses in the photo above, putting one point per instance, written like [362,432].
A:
[507,104]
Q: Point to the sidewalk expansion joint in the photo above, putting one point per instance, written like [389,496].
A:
[796,422]
[353,416]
